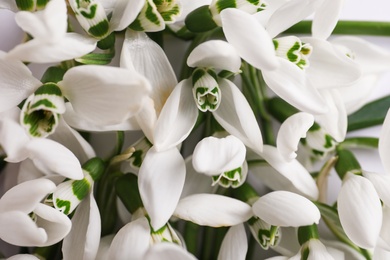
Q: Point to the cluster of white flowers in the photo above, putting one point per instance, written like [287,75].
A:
[193,185]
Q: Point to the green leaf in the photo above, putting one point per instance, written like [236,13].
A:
[126,188]
[97,58]
[371,114]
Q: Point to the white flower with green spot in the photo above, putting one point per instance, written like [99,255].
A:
[223,159]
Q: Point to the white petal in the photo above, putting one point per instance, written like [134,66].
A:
[167,251]
[335,121]
[250,39]
[143,55]
[284,208]
[102,94]
[124,13]
[73,141]
[56,224]
[384,143]
[17,83]
[360,211]
[71,46]
[329,67]
[28,171]
[380,253]
[160,180]
[290,176]
[77,122]
[289,82]
[372,58]
[13,140]
[215,54]
[234,245]
[25,196]
[290,132]
[17,228]
[213,156]
[177,117]
[131,240]
[82,242]
[23,257]
[213,210]
[52,156]
[104,246]
[325,18]
[236,116]
[9,5]
[318,251]
[381,183]
[146,118]
[384,240]
[289,14]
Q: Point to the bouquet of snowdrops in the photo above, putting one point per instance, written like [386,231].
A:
[226,157]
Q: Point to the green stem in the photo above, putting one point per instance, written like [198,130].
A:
[251,248]
[190,234]
[347,28]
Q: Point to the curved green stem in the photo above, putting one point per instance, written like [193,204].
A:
[347,28]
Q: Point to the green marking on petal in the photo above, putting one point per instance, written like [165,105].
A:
[81,188]
[94,167]
[151,15]
[41,4]
[136,25]
[292,49]
[64,205]
[168,9]
[205,89]
[92,12]
[100,29]
[50,89]
[266,235]
[223,4]
[25,5]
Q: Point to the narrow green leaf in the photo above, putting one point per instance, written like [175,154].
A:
[126,188]
[97,58]
[371,114]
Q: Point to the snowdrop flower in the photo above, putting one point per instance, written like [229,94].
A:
[234,244]
[25,221]
[207,92]
[295,69]
[51,42]
[222,159]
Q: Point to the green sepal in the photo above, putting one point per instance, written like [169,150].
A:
[95,168]
[347,163]
[200,20]
[245,193]
[97,58]
[305,233]
[126,188]
[371,114]
[108,42]
[53,74]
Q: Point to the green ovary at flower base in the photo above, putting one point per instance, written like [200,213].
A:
[294,50]
[41,111]
[206,91]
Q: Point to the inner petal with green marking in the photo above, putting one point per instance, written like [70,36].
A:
[234,178]
[41,111]
[149,19]
[294,50]
[265,234]
[169,9]
[206,90]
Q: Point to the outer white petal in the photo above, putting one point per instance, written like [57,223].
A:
[381,184]
[25,196]
[319,252]
[160,180]
[146,119]
[52,156]
[17,228]
[215,54]
[177,117]
[13,140]
[289,82]
[124,13]
[289,14]
[56,224]
[235,244]
[23,257]
[264,16]
[145,56]
[195,182]
[384,143]
[71,46]
[335,122]
[349,252]
[9,4]
[325,18]
[104,246]
[290,132]
[236,116]
[384,240]
[104,95]
[372,58]
[360,211]
[213,210]
[250,39]
[131,240]
[286,209]
[77,122]
[290,176]
[213,156]
[82,242]
[73,141]
[380,253]
[17,83]
[329,67]
[167,251]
